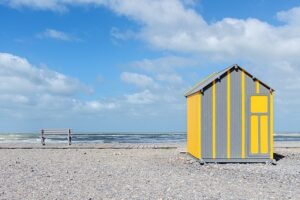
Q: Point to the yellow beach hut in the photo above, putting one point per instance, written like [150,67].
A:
[230,118]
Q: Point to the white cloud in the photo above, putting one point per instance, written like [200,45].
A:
[180,29]
[94,106]
[17,75]
[43,97]
[269,51]
[15,98]
[145,97]
[272,51]
[170,78]
[164,64]
[58,35]
[168,92]
[190,2]
[139,80]
[25,87]
[291,16]
[177,27]
[54,5]
[122,35]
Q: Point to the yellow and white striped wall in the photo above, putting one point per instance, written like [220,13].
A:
[230,118]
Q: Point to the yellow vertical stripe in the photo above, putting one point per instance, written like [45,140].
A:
[271,125]
[214,120]
[254,134]
[200,125]
[243,114]
[264,134]
[228,115]
[257,87]
[193,125]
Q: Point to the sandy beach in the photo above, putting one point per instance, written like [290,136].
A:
[140,172]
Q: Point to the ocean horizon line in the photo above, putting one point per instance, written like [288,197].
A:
[118,137]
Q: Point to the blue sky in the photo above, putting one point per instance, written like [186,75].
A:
[101,65]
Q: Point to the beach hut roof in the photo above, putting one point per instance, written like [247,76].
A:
[216,75]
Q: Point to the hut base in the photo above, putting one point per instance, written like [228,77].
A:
[237,160]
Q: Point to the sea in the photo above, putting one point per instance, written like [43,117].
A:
[119,137]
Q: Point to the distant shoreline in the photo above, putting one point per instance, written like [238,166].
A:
[134,132]
[166,145]
[117,137]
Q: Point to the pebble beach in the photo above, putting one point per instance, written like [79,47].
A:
[141,172]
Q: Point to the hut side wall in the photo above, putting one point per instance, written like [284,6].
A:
[193,125]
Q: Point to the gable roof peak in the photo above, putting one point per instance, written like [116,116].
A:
[217,75]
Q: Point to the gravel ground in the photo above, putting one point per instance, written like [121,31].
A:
[141,174]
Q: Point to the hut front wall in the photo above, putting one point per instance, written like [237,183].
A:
[236,115]
[221,117]
[228,139]
[206,123]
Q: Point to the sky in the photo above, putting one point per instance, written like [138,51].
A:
[124,65]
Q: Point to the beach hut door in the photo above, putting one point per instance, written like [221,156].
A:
[259,126]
